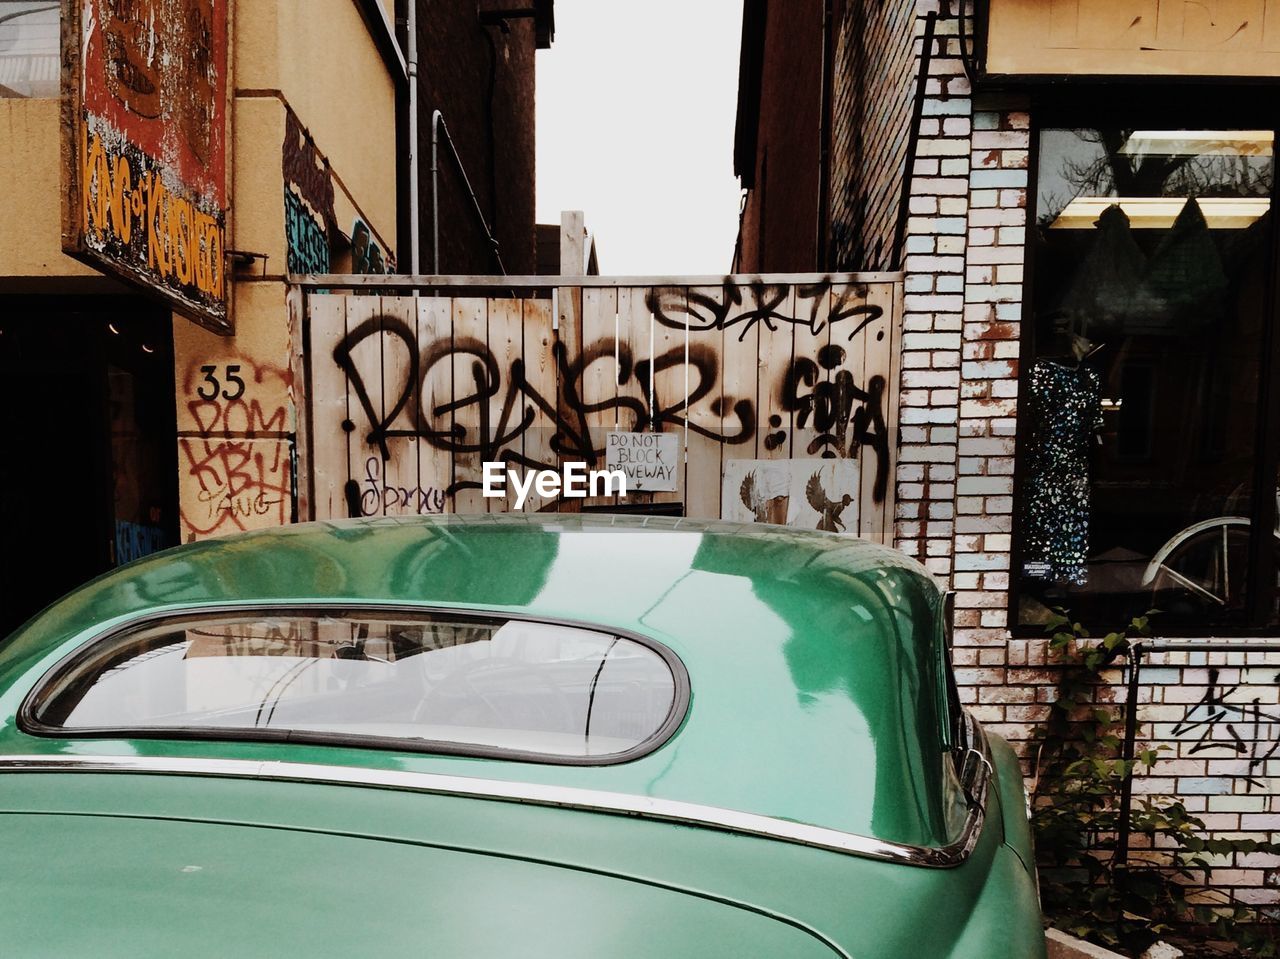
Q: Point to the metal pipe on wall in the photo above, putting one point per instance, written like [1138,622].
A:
[411,28]
[436,117]
[438,124]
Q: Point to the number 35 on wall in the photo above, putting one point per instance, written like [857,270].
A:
[209,388]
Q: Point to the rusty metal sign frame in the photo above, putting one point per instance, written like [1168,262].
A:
[218,318]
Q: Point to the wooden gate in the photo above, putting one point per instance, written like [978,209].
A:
[781,393]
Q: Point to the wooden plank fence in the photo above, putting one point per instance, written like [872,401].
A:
[781,391]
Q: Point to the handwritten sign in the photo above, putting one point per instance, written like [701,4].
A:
[649,460]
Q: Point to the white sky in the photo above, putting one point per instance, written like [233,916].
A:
[636,102]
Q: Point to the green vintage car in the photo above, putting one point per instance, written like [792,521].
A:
[501,736]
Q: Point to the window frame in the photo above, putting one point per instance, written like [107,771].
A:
[1220,104]
[35,697]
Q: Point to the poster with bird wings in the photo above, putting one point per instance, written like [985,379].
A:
[805,493]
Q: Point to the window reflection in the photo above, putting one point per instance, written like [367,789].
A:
[507,685]
[1141,402]
[29,46]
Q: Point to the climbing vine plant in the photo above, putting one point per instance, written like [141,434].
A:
[1077,774]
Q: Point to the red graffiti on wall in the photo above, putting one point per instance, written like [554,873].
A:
[236,464]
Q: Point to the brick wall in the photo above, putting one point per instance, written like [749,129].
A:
[779,231]
[1219,714]
[963,291]
[934,307]
[873,90]
[493,131]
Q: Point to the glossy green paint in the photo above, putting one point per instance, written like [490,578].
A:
[814,665]
[278,840]
[813,658]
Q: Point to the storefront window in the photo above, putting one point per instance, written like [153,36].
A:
[1140,399]
[29,48]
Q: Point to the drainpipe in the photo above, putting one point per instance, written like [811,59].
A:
[437,125]
[436,117]
[412,65]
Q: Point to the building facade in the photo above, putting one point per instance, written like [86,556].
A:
[173,429]
[1079,197]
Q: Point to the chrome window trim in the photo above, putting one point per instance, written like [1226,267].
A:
[537,794]
[29,721]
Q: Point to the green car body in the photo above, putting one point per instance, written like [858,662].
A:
[817,793]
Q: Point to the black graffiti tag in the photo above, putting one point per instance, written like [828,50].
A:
[845,416]
[680,308]
[566,411]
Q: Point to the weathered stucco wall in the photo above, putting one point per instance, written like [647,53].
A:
[315,188]
[30,212]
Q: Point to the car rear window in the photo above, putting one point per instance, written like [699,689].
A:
[434,682]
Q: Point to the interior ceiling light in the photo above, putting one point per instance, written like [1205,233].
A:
[1158,213]
[1255,143]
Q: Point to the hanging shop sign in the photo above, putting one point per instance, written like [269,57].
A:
[146,146]
[1211,38]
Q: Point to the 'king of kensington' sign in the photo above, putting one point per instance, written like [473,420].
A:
[649,460]
[146,123]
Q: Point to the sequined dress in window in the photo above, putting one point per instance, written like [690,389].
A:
[1066,414]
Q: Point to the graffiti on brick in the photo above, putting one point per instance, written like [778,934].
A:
[1231,721]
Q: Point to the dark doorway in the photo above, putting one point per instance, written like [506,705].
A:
[88,471]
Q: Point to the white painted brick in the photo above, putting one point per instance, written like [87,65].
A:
[935,264]
[931,341]
[993,369]
[939,186]
[924,454]
[997,217]
[931,147]
[1013,198]
[995,254]
[970,485]
[932,303]
[994,293]
[1000,139]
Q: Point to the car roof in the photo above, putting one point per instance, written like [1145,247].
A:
[813,659]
